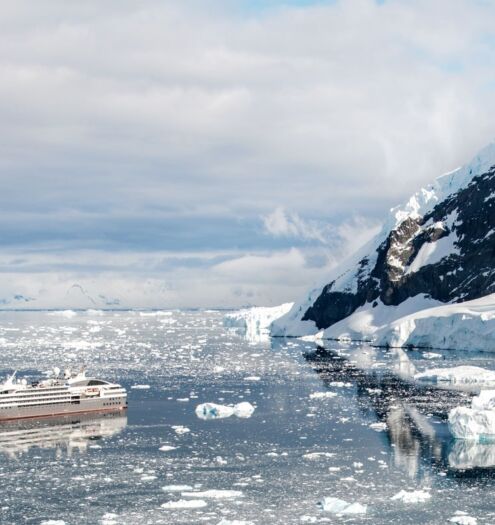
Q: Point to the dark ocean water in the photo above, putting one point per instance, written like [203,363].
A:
[369,432]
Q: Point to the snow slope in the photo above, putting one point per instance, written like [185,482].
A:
[426,279]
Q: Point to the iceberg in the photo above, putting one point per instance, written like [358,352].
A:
[458,374]
[255,322]
[208,411]
[340,506]
[476,422]
[468,454]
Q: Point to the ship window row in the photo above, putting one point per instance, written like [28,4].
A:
[34,405]
[25,399]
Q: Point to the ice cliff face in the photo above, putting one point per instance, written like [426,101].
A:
[438,248]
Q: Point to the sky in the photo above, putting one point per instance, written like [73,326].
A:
[222,153]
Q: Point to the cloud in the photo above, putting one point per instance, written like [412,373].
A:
[282,224]
[145,128]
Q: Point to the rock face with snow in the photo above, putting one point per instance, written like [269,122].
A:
[436,249]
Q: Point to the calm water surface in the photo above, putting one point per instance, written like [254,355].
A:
[380,433]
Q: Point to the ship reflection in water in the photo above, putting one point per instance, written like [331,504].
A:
[415,413]
[65,434]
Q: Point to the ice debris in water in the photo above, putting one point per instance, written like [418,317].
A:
[213,494]
[322,395]
[53,522]
[477,422]
[235,522]
[415,496]
[109,518]
[185,504]
[140,387]
[379,426]
[208,411]
[176,488]
[339,506]
[167,448]
[461,518]
[179,429]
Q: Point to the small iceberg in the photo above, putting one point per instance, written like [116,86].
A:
[414,496]
[213,494]
[340,506]
[477,422]
[457,375]
[208,411]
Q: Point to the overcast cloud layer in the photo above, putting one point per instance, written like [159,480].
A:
[197,153]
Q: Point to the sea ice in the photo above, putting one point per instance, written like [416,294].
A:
[235,522]
[414,496]
[176,488]
[463,520]
[322,395]
[213,494]
[167,448]
[185,504]
[340,506]
[140,387]
[209,411]
[379,426]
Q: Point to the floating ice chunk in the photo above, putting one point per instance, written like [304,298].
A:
[458,374]
[463,519]
[209,411]
[414,496]
[185,504]
[318,455]
[213,494]
[235,522]
[179,429]
[379,426]
[485,400]
[167,448]
[322,395]
[213,411]
[140,387]
[53,522]
[252,378]
[176,488]
[243,410]
[477,422]
[109,518]
[340,506]
[468,423]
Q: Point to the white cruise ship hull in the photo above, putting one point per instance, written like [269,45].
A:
[63,408]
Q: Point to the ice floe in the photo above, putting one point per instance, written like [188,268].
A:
[340,506]
[140,387]
[213,494]
[208,411]
[167,448]
[235,522]
[185,504]
[177,488]
[458,374]
[322,395]
[414,496]
[461,518]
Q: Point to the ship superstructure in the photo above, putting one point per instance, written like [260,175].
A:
[70,394]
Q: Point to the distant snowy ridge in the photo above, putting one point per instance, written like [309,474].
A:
[434,255]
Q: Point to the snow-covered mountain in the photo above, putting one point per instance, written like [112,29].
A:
[436,249]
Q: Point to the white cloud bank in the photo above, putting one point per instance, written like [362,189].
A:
[135,124]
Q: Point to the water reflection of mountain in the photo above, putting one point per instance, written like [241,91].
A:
[67,433]
[415,413]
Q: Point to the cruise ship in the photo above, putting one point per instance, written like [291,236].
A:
[59,395]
